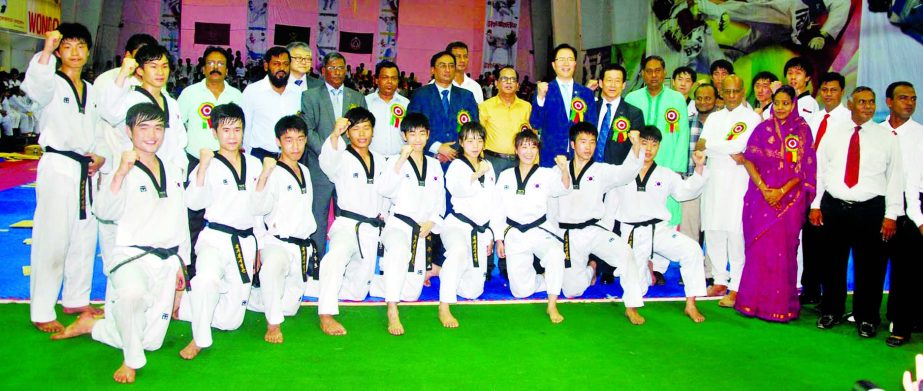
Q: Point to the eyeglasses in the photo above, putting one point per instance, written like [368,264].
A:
[334,69]
[219,64]
[506,79]
[445,65]
[565,59]
[302,59]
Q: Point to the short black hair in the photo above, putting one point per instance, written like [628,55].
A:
[799,62]
[75,31]
[650,132]
[582,127]
[687,70]
[330,56]
[562,47]
[148,53]
[763,75]
[527,135]
[472,128]
[862,89]
[136,41]
[215,49]
[414,120]
[143,112]
[721,64]
[787,90]
[432,60]
[613,67]
[385,64]
[358,115]
[833,76]
[225,113]
[456,45]
[652,58]
[290,122]
[889,93]
[275,51]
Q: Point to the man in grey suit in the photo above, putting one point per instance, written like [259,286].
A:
[320,108]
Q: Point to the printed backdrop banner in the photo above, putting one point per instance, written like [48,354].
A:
[169,25]
[360,43]
[500,27]
[387,30]
[34,17]
[257,15]
[328,28]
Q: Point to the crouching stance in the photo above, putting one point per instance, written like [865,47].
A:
[145,197]
[520,220]
[288,256]
[231,192]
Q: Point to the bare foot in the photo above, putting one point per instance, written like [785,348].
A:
[330,326]
[124,375]
[83,325]
[717,290]
[394,320]
[729,300]
[633,316]
[273,333]
[96,311]
[49,327]
[430,274]
[552,311]
[190,351]
[593,265]
[445,316]
[692,311]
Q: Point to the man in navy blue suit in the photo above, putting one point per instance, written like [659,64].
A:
[559,104]
[446,106]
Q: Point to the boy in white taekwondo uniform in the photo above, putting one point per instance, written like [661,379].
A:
[579,214]
[724,138]
[416,187]
[64,234]
[356,172]
[145,199]
[288,256]
[152,64]
[231,191]
[644,219]
[466,235]
[520,221]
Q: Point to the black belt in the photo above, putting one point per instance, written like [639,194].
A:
[362,219]
[631,235]
[236,234]
[307,269]
[499,155]
[159,252]
[525,227]
[414,236]
[850,205]
[84,162]
[569,226]
[475,230]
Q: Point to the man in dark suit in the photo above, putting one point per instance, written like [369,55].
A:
[615,117]
[446,106]
[320,108]
[560,104]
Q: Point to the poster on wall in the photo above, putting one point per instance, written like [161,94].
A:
[387,30]
[594,60]
[169,25]
[257,15]
[286,34]
[328,29]
[500,27]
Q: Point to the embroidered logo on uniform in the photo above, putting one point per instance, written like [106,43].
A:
[289,188]
[536,186]
[506,187]
[611,239]
[224,182]
[143,189]
[406,175]
[164,316]
[355,175]
[435,178]
[589,179]
[419,272]
[657,184]
[243,303]
[67,100]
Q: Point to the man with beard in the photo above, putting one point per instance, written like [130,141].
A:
[266,101]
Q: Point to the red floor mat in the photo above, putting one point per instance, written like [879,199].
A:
[17,173]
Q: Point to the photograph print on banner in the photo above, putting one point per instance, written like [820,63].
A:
[328,29]
[257,15]
[387,30]
[500,33]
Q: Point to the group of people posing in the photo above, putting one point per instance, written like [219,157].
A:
[218,202]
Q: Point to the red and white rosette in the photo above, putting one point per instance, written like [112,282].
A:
[792,143]
[463,118]
[621,126]
[672,117]
[738,129]
[397,114]
[205,112]
[577,109]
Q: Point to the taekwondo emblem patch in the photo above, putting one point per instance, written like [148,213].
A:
[224,181]
[506,187]
[142,189]
[67,100]
[355,175]
[289,188]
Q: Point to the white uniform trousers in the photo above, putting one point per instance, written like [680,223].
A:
[520,250]
[402,283]
[219,296]
[670,244]
[138,306]
[459,276]
[346,271]
[281,280]
[725,248]
[608,247]
[63,246]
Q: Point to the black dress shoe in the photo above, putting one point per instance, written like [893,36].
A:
[808,299]
[828,321]
[896,340]
[867,330]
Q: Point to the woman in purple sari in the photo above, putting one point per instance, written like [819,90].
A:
[781,162]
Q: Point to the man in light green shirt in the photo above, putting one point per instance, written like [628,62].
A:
[196,102]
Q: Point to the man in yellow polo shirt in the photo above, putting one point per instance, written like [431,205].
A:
[503,116]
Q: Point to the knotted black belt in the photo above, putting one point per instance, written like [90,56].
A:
[414,237]
[475,230]
[236,234]
[569,226]
[307,269]
[631,235]
[84,162]
[362,219]
[159,252]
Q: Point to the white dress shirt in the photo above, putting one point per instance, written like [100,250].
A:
[468,84]
[263,107]
[387,138]
[191,106]
[839,114]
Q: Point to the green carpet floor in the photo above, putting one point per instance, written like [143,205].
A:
[497,347]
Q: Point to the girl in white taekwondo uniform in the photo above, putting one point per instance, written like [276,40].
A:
[644,219]
[288,256]
[356,171]
[520,220]
[415,185]
[145,199]
[231,191]
[579,215]
[724,138]
[466,235]
[64,234]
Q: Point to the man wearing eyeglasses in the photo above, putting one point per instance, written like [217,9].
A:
[301,67]
[503,116]
[197,101]
[320,108]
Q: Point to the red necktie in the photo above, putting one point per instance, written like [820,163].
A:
[852,160]
[821,130]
